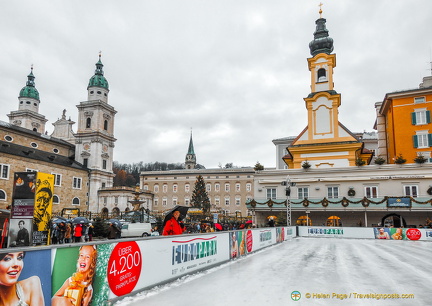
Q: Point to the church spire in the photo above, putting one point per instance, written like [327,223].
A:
[30,91]
[322,43]
[190,161]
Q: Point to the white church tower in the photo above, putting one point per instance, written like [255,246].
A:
[95,135]
[27,115]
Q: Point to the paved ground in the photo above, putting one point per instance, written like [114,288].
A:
[338,269]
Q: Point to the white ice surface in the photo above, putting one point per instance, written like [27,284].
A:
[308,265]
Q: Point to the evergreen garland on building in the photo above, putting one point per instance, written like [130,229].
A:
[200,197]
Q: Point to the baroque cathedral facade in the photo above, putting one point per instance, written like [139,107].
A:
[81,161]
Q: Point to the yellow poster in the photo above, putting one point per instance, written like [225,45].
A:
[42,208]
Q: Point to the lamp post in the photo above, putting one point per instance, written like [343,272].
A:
[287,183]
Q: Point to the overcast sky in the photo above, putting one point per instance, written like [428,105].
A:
[234,71]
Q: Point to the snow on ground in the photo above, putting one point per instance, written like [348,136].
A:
[311,266]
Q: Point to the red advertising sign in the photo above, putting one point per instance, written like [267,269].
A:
[413,234]
[249,241]
[124,267]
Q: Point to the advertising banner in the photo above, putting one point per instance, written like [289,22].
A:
[42,208]
[137,265]
[20,223]
[79,275]
[30,281]
[397,233]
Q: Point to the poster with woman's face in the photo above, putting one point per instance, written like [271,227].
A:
[20,269]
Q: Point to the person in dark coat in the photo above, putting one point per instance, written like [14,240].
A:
[23,237]
[271,222]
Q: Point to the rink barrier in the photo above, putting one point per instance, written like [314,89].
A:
[127,266]
[388,233]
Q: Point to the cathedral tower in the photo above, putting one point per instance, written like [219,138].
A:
[27,115]
[95,135]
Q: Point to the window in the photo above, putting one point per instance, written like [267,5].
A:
[175,187]
[88,123]
[237,186]
[116,200]
[56,199]
[76,183]
[104,164]
[106,125]
[8,138]
[420,116]
[76,201]
[422,139]
[31,170]
[419,100]
[85,162]
[237,201]
[248,187]
[156,201]
[187,188]
[105,200]
[333,192]
[4,171]
[227,187]
[217,201]
[227,201]
[146,187]
[156,188]
[103,185]
[57,179]
[217,187]
[34,144]
[371,192]
[187,201]
[174,201]
[411,191]
[322,75]
[165,188]
[302,192]
[425,154]
[2,195]
[164,201]
[271,193]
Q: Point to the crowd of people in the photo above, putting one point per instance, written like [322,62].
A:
[66,232]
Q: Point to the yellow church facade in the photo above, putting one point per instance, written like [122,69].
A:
[325,142]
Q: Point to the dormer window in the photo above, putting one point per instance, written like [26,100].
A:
[322,75]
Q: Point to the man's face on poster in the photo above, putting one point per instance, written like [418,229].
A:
[42,200]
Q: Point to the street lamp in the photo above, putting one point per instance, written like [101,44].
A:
[287,183]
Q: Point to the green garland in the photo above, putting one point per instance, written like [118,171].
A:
[325,202]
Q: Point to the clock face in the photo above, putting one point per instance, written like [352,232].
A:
[86,146]
[105,148]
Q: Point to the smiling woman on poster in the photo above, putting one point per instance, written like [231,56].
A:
[26,292]
[77,290]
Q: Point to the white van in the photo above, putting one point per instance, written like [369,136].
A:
[136,230]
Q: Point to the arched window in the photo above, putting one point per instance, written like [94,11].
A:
[322,75]
[88,123]
[56,199]
[127,209]
[2,195]
[106,125]
[116,211]
[104,213]
[76,201]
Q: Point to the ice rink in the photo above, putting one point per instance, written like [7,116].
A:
[324,271]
